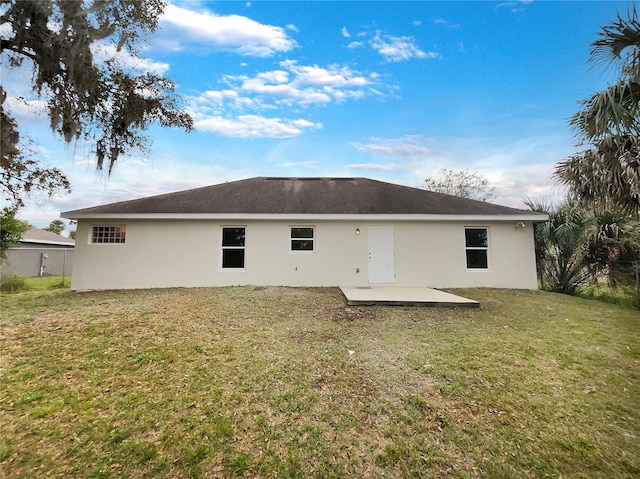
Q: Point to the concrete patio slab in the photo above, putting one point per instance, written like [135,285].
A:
[404,296]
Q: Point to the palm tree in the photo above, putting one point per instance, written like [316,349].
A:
[609,172]
[560,246]
[576,245]
[614,111]
[612,245]
[607,176]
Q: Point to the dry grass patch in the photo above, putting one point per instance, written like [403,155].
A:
[290,382]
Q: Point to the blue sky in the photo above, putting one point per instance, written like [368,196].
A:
[386,90]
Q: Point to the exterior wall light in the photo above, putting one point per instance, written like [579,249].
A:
[520,224]
[357,231]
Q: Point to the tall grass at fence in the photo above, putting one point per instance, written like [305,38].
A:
[622,295]
[10,283]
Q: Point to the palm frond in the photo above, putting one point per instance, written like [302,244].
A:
[612,111]
[619,41]
[605,177]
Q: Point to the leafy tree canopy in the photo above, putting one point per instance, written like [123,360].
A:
[11,229]
[56,226]
[74,49]
[607,175]
[463,183]
[20,172]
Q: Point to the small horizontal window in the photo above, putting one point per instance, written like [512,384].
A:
[108,234]
[302,238]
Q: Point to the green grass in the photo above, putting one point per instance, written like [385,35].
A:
[260,382]
[623,295]
[36,292]
[45,283]
[16,284]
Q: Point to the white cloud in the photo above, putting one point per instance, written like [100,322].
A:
[275,76]
[299,164]
[515,6]
[291,85]
[413,146]
[446,24]
[254,126]
[234,33]
[238,109]
[407,152]
[355,45]
[515,184]
[345,32]
[333,76]
[517,169]
[103,52]
[397,49]
[373,166]
[132,178]
[6,31]
[22,109]
[218,102]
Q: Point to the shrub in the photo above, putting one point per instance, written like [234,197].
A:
[12,284]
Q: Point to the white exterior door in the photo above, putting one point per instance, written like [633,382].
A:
[381,255]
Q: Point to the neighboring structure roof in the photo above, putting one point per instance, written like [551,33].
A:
[35,235]
[301,196]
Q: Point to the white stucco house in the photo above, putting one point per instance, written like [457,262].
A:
[303,232]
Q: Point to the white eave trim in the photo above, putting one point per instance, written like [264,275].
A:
[60,243]
[300,217]
[69,247]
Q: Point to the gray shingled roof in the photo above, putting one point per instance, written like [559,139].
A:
[36,235]
[268,195]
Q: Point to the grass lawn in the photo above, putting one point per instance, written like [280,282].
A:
[284,382]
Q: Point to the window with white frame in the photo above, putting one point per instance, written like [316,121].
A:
[233,247]
[477,247]
[108,234]
[302,238]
